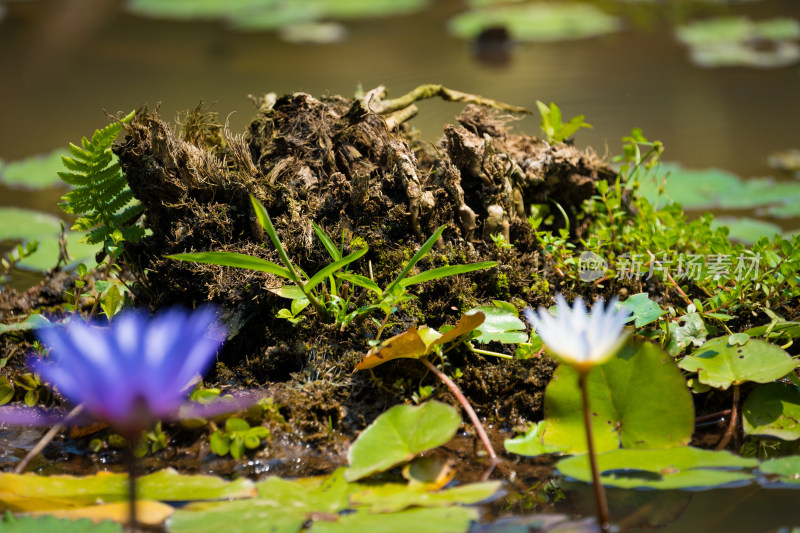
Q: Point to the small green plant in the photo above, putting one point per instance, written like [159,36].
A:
[555,130]
[237,437]
[10,260]
[100,196]
[500,241]
[330,301]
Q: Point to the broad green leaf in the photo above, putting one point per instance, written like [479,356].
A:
[721,364]
[398,435]
[44,524]
[37,172]
[773,410]
[626,410]
[776,329]
[531,443]
[424,520]
[35,321]
[234,260]
[149,513]
[25,224]
[787,468]
[443,272]
[500,325]
[536,22]
[393,497]
[32,492]
[747,230]
[682,467]
[643,310]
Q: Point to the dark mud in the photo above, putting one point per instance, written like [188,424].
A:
[363,178]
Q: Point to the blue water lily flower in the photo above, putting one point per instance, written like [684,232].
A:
[581,339]
[130,374]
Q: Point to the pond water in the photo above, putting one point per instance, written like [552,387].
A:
[67,63]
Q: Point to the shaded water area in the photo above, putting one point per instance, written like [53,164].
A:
[71,61]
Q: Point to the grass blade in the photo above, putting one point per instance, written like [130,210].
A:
[422,252]
[234,260]
[327,270]
[443,272]
[327,242]
[361,281]
[266,223]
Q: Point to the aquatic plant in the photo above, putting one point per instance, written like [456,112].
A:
[131,374]
[101,197]
[583,341]
[330,303]
[554,129]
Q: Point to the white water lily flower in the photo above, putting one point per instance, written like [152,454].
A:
[581,339]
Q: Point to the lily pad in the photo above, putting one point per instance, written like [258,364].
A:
[787,468]
[25,224]
[682,467]
[27,524]
[30,492]
[721,364]
[272,14]
[747,230]
[34,321]
[773,410]
[287,506]
[46,254]
[398,435]
[537,22]
[643,310]
[625,411]
[739,41]
[434,520]
[37,172]
[532,443]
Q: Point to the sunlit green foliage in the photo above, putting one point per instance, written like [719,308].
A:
[773,410]
[332,302]
[554,129]
[237,437]
[37,172]
[101,197]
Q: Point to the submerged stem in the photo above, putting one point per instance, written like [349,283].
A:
[130,458]
[467,407]
[603,516]
[726,438]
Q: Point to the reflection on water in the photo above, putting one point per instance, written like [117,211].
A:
[73,59]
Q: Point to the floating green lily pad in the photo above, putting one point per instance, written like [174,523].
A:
[47,253]
[532,442]
[787,468]
[43,524]
[25,224]
[433,520]
[625,411]
[536,22]
[30,492]
[32,322]
[773,410]
[739,41]
[721,364]
[399,434]
[37,172]
[643,310]
[272,14]
[747,230]
[682,467]
[286,506]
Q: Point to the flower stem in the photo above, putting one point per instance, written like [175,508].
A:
[603,517]
[130,458]
[726,438]
[467,407]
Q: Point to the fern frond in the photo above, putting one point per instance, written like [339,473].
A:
[100,195]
